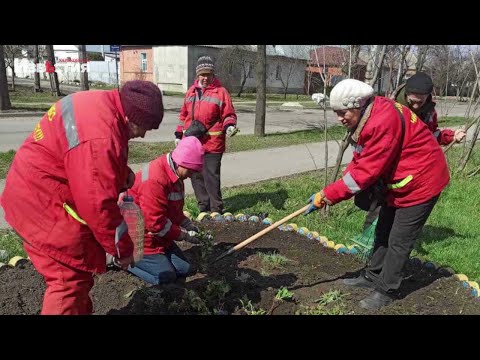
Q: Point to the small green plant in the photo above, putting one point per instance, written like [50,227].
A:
[284,294]
[206,248]
[250,309]
[330,303]
[330,297]
[338,309]
[216,291]
[273,260]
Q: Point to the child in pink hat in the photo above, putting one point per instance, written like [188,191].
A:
[159,191]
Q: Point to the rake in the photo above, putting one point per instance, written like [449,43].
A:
[364,241]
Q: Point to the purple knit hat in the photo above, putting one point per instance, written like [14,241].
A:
[142,103]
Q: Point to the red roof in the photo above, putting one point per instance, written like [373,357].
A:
[334,56]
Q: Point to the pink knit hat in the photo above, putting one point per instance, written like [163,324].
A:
[189,153]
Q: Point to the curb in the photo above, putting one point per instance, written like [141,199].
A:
[21,114]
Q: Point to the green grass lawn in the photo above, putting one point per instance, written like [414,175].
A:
[25,94]
[6,159]
[146,151]
[143,152]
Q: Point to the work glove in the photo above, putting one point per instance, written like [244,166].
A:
[189,236]
[231,130]
[123,263]
[459,135]
[189,226]
[316,201]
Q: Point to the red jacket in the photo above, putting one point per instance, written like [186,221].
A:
[422,170]
[214,109]
[160,193]
[76,155]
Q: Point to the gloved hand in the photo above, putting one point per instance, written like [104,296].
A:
[231,130]
[189,226]
[459,135]
[317,202]
[189,236]
[177,141]
[121,263]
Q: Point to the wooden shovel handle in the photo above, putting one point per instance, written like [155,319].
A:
[271,227]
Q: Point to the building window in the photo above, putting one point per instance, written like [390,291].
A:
[278,73]
[143,62]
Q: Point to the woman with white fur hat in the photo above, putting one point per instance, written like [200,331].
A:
[395,154]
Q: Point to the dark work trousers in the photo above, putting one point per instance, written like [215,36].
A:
[207,184]
[371,216]
[395,236]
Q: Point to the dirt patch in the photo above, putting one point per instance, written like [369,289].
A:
[303,275]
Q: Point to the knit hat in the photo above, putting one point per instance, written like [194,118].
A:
[420,83]
[205,65]
[142,103]
[350,94]
[189,154]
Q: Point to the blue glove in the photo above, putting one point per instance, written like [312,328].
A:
[316,202]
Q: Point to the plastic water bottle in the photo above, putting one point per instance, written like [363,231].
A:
[133,216]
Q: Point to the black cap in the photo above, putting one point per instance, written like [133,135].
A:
[420,83]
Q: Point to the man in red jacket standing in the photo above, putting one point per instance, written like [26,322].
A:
[159,192]
[208,114]
[62,188]
[394,146]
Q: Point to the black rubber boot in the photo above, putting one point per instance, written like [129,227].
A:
[360,281]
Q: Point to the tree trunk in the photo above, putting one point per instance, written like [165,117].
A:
[4,95]
[465,159]
[343,147]
[83,60]
[37,87]
[422,56]
[13,77]
[261,70]
[54,85]
[242,85]
[379,65]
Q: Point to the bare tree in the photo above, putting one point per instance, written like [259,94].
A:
[287,65]
[5,103]
[13,52]
[235,65]
[82,55]
[54,84]
[476,132]
[375,64]
[261,70]
[422,51]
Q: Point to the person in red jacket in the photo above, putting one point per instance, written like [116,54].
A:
[394,146]
[62,188]
[159,192]
[208,114]
[416,94]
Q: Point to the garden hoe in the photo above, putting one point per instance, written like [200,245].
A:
[261,233]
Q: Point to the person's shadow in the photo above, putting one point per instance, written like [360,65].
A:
[241,201]
[223,287]
[431,234]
